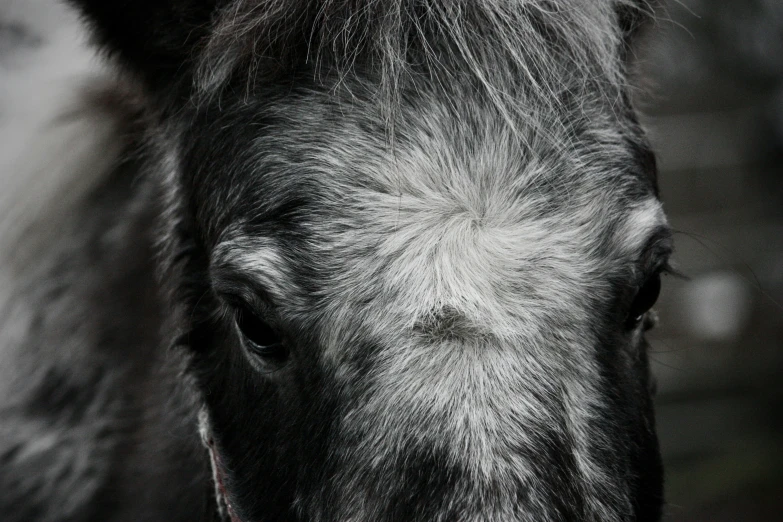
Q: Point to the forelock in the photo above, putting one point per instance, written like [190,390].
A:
[497,44]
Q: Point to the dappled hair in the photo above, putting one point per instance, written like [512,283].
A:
[444,326]
[514,51]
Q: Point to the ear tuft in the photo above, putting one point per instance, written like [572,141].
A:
[153,39]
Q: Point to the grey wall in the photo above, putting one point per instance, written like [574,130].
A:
[715,111]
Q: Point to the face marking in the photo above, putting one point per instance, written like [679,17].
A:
[257,258]
[643,220]
[469,285]
[459,294]
[438,205]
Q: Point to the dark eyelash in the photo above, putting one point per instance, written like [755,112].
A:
[668,269]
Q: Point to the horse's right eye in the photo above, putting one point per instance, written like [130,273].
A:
[645,299]
[259,337]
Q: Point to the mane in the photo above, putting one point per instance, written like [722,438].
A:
[499,45]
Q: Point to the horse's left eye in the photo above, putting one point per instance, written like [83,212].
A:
[645,299]
[260,338]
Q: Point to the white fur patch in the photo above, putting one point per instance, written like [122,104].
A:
[261,259]
[641,223]
[517,247]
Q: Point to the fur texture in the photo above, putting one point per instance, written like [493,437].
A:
[445,212]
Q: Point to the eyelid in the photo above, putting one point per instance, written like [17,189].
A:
[657,252]
[237,289]
[256,261]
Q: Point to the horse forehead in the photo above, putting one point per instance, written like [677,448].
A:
[476,297]
[458,212]
[490,231]
[498,267]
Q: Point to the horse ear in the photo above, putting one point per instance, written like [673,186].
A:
[153,39]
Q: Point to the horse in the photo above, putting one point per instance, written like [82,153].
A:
[329,260]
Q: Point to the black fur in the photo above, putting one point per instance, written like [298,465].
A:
[279,131]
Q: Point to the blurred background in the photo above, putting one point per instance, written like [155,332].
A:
[714,108]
